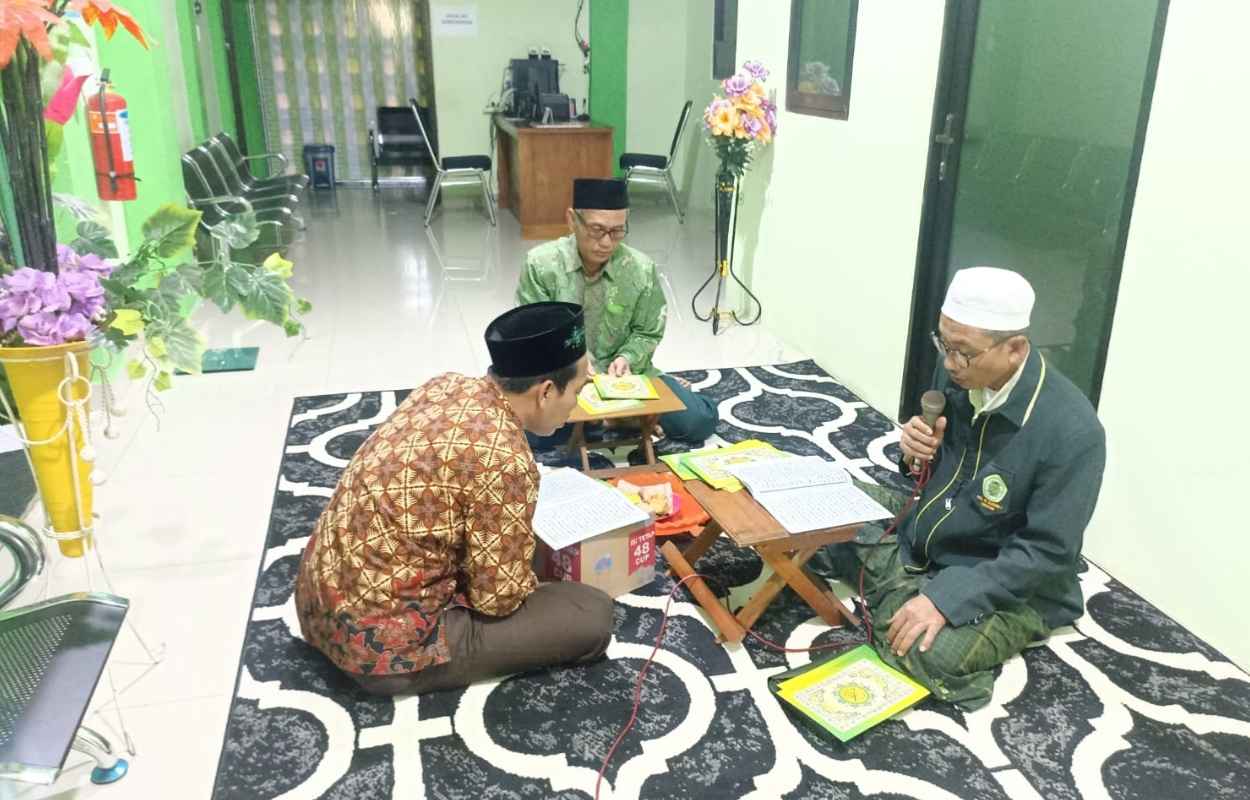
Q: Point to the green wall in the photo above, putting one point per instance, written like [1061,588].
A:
[187,47]
[609,68]
[216,25]
[249,89]
[143,77]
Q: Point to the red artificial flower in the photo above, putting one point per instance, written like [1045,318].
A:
[28,18]
[109,16]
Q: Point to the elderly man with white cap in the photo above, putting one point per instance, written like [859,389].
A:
[987,557]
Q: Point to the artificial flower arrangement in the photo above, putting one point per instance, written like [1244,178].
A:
[145,299]
[53,293]
[741,121]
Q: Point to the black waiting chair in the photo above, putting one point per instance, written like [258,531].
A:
[454,170]
[397,141]
[52,654]
[224,144]
[277,224]
[649,168]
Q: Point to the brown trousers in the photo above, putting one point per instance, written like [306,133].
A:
[560,623]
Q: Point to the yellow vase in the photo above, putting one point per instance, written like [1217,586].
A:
[35,376]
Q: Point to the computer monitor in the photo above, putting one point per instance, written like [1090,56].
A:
[535,75]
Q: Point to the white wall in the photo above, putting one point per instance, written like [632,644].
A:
[696,164]
[837,203]
[1170,523]
[468,71]
[656,74]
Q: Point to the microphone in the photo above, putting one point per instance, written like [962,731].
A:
[932,404]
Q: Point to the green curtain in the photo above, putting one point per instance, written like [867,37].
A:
[325,65]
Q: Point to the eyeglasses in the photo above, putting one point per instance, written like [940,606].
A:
[597,232]
[961,360]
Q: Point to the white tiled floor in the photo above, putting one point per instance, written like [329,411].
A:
[185,509]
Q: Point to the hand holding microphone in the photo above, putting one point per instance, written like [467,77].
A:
[922,435]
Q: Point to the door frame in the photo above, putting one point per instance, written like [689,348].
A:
[937,213]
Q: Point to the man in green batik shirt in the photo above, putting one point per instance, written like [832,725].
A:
[620,291]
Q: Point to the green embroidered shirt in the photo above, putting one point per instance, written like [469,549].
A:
[625,305]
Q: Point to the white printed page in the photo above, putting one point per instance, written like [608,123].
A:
[817,507]
[573,507]
[789,473]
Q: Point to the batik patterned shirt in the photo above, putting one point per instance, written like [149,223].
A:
[434,510]
[624,305]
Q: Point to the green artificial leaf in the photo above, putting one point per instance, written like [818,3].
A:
[292,327]
[128,321]
[136,369]
[76,36]
[171,229]
[217,287]
[55,134]
[94,238]
[148,281]
[239,231]
[270,298]
[185,348]
[279,266]
[303,306]
[156,347]
[164,382]
[187,305]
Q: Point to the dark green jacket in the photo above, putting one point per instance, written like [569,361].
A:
[1003,518]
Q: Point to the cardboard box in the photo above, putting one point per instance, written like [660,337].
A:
[617,562]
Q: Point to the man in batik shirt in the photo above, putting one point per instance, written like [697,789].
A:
[620,289]
[418,574]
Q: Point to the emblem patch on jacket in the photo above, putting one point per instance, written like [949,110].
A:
[993,492]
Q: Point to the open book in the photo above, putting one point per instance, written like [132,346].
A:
[573,507]
[808,493]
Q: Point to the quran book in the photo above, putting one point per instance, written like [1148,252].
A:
[626,387]
[573,507]
[851,693]
[592,403]
[808,493]
[715,467]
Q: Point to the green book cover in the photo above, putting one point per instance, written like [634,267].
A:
[849,694]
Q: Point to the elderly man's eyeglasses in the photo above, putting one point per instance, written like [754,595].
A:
[597,232]
[960,359]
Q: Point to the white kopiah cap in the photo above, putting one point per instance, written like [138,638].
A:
[989,298]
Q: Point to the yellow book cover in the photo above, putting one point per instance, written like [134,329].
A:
[592,403]
[712,466]
[626,387]
[849,694]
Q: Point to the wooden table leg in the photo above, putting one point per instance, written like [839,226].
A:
[577,443]
[695,550]
[648,448]
[789,565]
[758,602]
[730,630]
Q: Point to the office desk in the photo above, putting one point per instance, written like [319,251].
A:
[536,167]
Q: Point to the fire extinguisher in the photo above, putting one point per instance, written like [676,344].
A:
[108,124]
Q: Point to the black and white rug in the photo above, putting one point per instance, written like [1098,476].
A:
[1128,704]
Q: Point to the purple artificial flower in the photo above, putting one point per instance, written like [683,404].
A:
[736,85]
[71,326]
[39,329]
[82,286]
[69,261]
[752,125]
[756,70]
[49,309]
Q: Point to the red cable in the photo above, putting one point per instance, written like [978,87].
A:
[921,480]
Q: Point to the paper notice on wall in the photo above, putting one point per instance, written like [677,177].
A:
[455,21]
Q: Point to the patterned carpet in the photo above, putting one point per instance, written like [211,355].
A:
[1126,705]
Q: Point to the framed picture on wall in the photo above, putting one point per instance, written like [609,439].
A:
[822,50]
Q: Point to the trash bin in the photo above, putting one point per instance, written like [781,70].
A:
[319,164]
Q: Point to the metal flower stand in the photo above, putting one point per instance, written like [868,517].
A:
[75,393]
[726,215]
